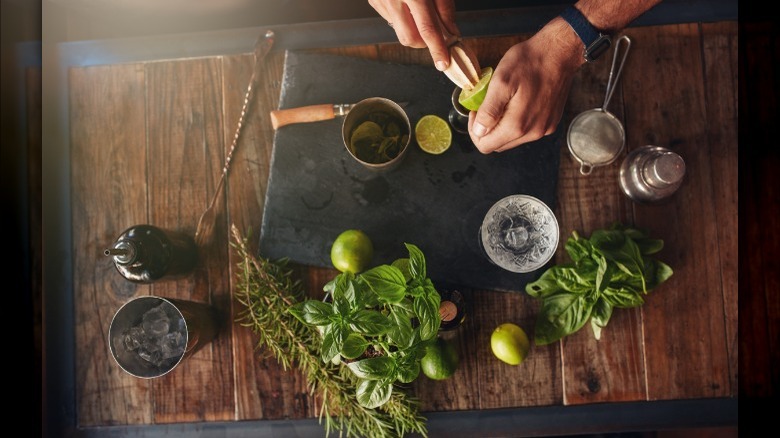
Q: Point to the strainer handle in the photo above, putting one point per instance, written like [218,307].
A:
[613,77]
[585,168]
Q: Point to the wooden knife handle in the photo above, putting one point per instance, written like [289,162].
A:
[304,114]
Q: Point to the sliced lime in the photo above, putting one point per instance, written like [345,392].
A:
[472,99]
[433,134]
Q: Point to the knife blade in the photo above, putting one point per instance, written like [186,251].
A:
[312,113]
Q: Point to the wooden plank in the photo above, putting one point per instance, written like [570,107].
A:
[535,382]
[758,281]
[108,170]
[684,332]
[263,389]
[184,110]
[721,73]
[612,368]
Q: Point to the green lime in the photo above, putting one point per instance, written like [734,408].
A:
[433,134]
[352,251]
[510,343]
[440,360]
[472,99]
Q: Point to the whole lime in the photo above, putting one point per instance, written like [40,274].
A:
[352,251]
[510,343]
[440,360]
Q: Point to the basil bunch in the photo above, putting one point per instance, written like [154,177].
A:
[378,322]
[610,270]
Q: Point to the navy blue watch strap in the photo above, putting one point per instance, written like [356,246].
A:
[596,43]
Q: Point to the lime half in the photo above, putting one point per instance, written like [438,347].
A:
[472,99]
[433,134]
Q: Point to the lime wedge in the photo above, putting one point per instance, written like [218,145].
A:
[472,99]
[433,134]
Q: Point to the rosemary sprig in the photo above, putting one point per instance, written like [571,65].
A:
[266,289]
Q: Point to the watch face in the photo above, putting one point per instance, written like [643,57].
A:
[598,47]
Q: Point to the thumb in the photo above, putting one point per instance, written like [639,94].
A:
[490,112]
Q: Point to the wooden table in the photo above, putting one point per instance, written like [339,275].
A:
[147,140]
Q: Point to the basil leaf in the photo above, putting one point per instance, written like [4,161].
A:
[623,297]
[373,368]
[373,394]
[563,314]
[408,368]
[329,349]
[657,273]
[296,310]
[416,262]
[617,248]
[387,282]
[401,331]
[426,307]
[354,346]
[316,312]
[403,265]
[369,322]
[569,279]
[546,284]
[578,248]
[599,318]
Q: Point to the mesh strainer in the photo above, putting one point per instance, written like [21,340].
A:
[596,137]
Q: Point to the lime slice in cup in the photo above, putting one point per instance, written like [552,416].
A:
[472,99]
[433,134]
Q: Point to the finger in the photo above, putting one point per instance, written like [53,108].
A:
[405,27]
[497,97]
[446,10]
[430,29]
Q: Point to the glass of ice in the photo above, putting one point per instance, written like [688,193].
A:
[149,336]
[519,233]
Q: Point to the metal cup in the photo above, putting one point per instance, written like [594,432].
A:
[146,344]
[458,115]
[363,111]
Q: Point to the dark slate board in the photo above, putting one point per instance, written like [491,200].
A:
[316,191]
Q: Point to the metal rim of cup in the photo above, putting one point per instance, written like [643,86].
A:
[111,333]
[359,110]
[585,166]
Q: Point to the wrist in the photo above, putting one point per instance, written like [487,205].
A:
[595,41]
[564,44]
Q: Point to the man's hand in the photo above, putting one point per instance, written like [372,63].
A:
[418,23]
[528,91]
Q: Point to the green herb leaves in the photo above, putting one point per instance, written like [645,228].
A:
[379,139]
[610,270]
[379,322]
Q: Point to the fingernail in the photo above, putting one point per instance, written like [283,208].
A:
[441,65]
[479,129]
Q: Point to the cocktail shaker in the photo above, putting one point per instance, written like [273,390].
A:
[651,173]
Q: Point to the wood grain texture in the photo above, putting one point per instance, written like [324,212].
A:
[108,180]
[263,388]
[684,328]
[611,368]
[184,111]
[720,52]
[159,132]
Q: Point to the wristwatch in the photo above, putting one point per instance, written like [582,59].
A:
[596,42]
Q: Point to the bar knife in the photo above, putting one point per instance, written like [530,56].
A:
[312,113]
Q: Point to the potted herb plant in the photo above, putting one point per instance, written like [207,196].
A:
[377,323]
